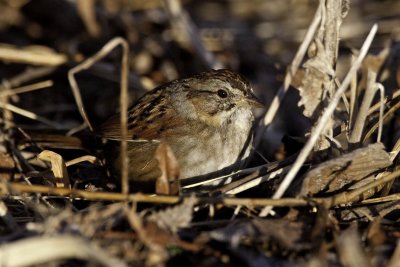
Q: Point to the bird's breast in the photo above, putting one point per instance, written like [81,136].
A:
[208,150]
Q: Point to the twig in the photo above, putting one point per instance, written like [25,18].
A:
[378,200]
[338,199]
[91,159]
[381,109]
[254,181]
[123,97]
[29,74]
[323,120]
[253,171]
[270,115]
[123,101]
[293,67]
[30,115]
[35,55]
[385,101]
[359,124]
[380,105]
[349,197]
[385,117]
[89,62]
[353,96]
[108,196]
[334,18]
[27,88]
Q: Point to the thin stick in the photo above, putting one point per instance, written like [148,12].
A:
[30,115]
[293,67]
[5,188]
[123,97]
[349,197]
[323,120]
[29,74]
[385,117]
[382,107]
[91,159]
[270,115]
[359,123]
[84,66]
[386,100]
[338,199]
[256,181]
[378,200]
[123,101]
[27,88]
[35,55]
[353,96]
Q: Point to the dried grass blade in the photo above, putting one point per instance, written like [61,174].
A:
[30,115]
[321,123]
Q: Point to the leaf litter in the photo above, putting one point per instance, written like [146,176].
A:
[61,206]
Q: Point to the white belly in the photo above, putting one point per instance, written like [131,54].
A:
[217,151]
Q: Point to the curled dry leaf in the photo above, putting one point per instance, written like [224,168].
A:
[168,182]
[311,89]
[317,72]
[58,167]
[349,168]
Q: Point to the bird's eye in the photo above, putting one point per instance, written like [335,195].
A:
[222,93]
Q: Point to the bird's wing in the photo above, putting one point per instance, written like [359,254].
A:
[151,118]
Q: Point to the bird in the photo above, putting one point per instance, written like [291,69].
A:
[206,120]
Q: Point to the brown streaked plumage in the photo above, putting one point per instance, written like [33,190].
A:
[206,119]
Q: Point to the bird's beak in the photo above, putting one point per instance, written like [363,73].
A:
[253,101]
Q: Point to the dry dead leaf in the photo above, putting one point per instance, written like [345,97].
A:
[318,70]
[349,168]
[311,90]
[176,217]
[168,182]
[58,168]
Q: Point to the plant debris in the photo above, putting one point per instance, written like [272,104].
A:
[321,185]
